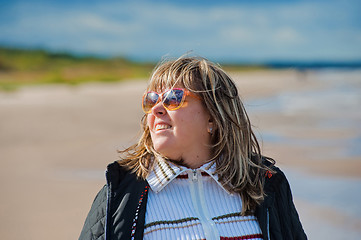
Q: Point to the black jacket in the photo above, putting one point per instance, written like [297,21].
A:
[118,211]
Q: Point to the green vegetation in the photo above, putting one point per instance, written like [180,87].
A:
[20,67]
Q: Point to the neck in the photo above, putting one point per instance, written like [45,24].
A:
[195,160]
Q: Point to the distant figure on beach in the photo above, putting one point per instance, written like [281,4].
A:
[197,171]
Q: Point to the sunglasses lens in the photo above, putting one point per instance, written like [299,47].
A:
[172,99]
[149,100]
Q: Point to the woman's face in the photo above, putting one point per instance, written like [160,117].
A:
[182,134]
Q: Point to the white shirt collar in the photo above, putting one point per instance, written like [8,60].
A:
[165,171]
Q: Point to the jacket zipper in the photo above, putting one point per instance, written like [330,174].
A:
[107,217]
[268,233]
[199,203]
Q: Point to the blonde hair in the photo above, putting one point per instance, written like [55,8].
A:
[235,148]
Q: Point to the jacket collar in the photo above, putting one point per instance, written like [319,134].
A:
[165,172]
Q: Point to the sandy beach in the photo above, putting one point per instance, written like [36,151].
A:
[56,141]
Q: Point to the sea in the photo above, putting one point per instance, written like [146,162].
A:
[336,105]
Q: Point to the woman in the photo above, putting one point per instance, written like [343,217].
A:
[197,170]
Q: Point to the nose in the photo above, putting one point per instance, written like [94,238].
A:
[158,109]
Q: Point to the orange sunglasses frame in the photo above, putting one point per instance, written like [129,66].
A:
[160,98]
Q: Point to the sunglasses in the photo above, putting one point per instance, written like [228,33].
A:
[172,99]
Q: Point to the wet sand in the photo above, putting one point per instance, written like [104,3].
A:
[56,141]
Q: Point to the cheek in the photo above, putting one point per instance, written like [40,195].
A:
[150,120]
[194,124]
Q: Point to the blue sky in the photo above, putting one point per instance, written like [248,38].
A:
[250,31]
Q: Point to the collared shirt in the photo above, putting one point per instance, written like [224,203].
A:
[164,172]
[186,203]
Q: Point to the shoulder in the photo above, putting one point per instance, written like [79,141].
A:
[276,184]
[275,178]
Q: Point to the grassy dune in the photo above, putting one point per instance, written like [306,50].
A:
[19,67]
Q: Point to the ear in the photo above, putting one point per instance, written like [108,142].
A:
[210,126]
